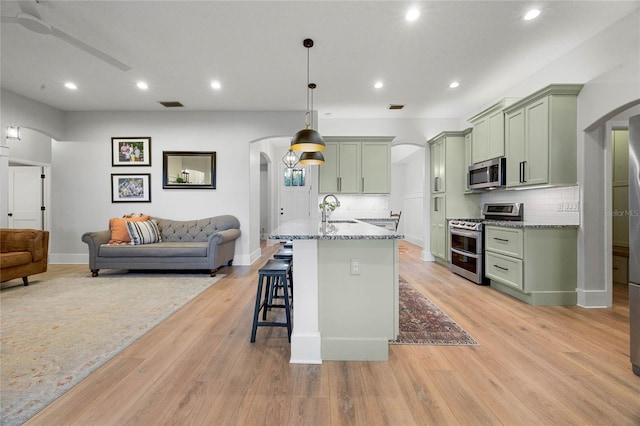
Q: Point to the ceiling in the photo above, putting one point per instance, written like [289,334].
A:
[255,50]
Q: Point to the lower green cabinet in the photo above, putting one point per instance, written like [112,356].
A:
[537,265]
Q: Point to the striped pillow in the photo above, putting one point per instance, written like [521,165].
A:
[145,232]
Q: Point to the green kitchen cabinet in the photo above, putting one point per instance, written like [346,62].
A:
[541,137]
[468,157]
[438,165]
[537,265]
[356,165]
[376,168]
[439,241]
[488,132]
[448,183]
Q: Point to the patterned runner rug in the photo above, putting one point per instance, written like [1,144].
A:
[56,332]
[423,323]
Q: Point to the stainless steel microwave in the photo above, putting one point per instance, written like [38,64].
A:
[489,174]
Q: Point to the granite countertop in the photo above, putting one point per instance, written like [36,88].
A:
[377,219]
[525,224]
[346,229]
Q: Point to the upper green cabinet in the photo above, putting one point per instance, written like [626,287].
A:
[376,167]
[468,157]
[356,165]
[438,165]
[488,132]
[541,137]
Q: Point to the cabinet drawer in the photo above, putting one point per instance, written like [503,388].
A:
[504,269]
[507,241]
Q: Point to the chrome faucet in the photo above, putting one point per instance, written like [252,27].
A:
[324,206]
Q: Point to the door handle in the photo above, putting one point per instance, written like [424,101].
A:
[500,267]
[520,177]
[10,214]
[501,239]
[362,184]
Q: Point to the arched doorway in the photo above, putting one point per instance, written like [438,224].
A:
[595,240]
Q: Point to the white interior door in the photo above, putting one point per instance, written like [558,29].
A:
[25,197]
[293,200]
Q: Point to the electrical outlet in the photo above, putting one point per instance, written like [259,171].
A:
[570,206]
[355,266]
[559,206]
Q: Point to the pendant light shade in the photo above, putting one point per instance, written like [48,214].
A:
[290,159]
[314,158]
[308,139]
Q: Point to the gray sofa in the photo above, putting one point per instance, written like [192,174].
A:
[203,244]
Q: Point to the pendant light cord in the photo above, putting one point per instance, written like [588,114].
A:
[307,118]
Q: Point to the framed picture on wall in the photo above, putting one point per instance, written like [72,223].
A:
[126,188]
[135,151]
[189,170]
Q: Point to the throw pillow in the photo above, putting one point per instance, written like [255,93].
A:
[119,233]
[145,232]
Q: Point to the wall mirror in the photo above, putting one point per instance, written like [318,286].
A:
[188,170]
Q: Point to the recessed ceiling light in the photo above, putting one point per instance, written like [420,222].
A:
[70,85]
[216,85]
[454,84]
[412,14]
[532,14]
[142,85]
[378,85]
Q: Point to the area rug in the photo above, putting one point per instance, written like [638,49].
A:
[55,333]
[423,323]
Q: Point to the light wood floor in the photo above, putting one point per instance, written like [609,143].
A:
[534,366]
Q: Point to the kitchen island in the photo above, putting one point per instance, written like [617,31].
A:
[345,276]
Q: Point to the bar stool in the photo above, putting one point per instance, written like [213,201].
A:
[287,255]
[272,272]
[288,245]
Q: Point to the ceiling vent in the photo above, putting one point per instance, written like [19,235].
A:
[395,106]
[171,104]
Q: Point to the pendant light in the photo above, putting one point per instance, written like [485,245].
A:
[312,158]
[290,159]
[308,139]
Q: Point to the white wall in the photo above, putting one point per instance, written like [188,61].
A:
[83,167]
[412,131]
[551,206]
[409,186]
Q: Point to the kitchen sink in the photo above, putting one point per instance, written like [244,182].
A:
[342,221]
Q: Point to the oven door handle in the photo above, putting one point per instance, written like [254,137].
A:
[465,233]
[466,253]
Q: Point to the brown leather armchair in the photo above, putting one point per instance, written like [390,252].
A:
[23,252]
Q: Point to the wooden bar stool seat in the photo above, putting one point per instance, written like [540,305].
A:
[274,272]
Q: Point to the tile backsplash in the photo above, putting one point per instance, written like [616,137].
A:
[558,206]
[360,206]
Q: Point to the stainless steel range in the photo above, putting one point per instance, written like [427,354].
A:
[467,245]
[467,239]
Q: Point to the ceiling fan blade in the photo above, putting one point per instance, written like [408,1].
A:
[89,49]
[29,7]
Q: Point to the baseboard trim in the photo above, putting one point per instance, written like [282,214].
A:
[427,256]
[69,259]
[593,299]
